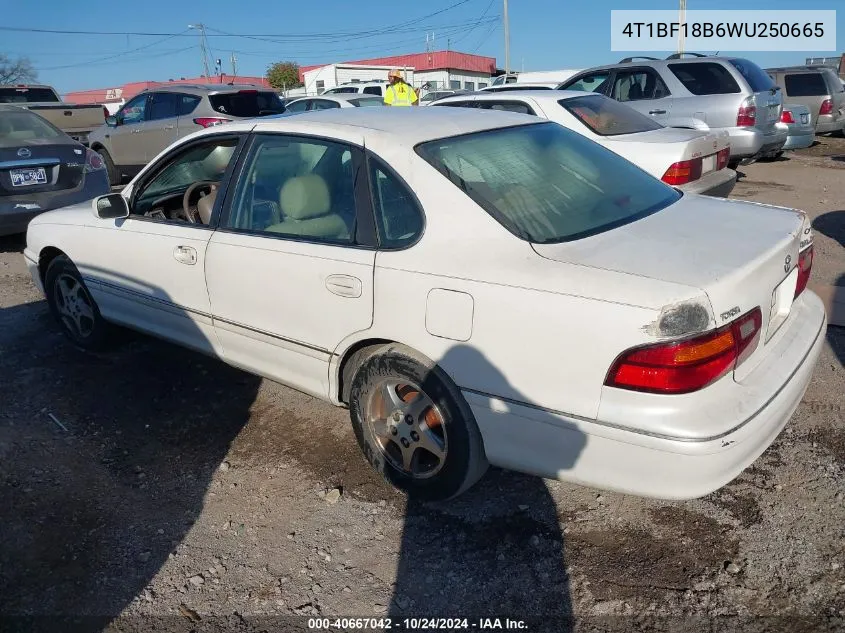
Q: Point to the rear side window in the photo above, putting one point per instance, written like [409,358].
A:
[805,85]
[595,82]
[372,90]
[366,102]
[247,103]
[520,107]
[162,106]
[757,78]
[188,103]
[18,126]
[705,78]
[607,117]
[398,217]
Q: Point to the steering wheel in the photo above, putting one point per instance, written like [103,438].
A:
[191,213]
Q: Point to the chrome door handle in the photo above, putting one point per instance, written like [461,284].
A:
[185,255]
[344,286]
[657,111]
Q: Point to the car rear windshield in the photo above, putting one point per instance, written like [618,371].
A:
[545,183]
[608,117]
[247,103]
[707,78]
[365,102]
[757,78]
[19,126]
[805,85]
[27,95]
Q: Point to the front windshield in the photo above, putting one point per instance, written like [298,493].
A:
[547,184]
[18,126]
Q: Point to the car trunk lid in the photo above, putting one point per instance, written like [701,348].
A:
[34,167]
[742,255]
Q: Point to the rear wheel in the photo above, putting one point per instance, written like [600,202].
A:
[73,307]
[414,426]
[114,175]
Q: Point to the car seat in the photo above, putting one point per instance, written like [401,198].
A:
[305,204]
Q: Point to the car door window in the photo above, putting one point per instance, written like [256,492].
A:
[510,106]
[638,85]
[160,195]
[163,105]
[296,188]
[593,82]
[187,104]
[324,104]
[705,78]
[134,111]
[373,90]
[398,216]
[298,106]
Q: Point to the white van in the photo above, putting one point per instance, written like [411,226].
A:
[537,77]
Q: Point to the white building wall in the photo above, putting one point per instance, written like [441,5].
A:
[332,75]
[443,79]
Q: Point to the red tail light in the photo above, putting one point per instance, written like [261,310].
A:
[210,121]
[688,365]
[93,161]
[827,107]
[805,267]
[683,172]
[105,113]
[786,117]
[723,156]
[247,92]
[747,114]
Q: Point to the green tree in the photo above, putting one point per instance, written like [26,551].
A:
[282,75]
[16,71]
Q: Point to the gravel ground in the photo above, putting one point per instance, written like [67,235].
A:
[152,488]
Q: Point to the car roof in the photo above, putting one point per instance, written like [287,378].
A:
[407,126]
[793,69]
[340,96]
[26,86]
[656,63]
[515,95]
[205,88]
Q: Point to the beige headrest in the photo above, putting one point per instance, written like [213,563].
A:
[205,205]
[304,197]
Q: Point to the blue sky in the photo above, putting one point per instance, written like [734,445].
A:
[544,35]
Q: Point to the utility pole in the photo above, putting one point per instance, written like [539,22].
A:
[203,47]
[507,40]
[682,17]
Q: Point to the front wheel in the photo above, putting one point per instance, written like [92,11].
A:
[414,426]
[73,307]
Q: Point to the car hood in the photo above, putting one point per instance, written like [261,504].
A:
[81,214]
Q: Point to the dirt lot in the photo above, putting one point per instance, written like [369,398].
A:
[154,488]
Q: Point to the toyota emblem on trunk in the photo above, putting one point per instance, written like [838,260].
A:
[24,152]
[786,263]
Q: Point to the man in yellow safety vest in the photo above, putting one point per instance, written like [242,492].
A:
[398,93]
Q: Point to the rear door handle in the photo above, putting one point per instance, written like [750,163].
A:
[657,111]
[185,255]
[344,286]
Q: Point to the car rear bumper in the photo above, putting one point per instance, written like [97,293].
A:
[717,183]
[799,139]
[826,124]
[17,211]
[550,444]
[747,142]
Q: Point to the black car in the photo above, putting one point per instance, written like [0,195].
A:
[42,168]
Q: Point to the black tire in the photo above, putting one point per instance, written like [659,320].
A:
[733,164]
[89,330]
[114,175]
[465,461]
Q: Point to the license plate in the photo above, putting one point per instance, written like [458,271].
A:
[782,298]
[805,118]
[708,164]
[28,177]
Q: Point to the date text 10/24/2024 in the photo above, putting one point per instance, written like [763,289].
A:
[416,624]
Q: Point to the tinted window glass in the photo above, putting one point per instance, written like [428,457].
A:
[595,82]
[756,77]
[134,111]
[373,90]
[510,106]
[188,103]
[298,106]
[27,95]
[247,103]
[545,183]
[297,188]
[607,117]
[398,217]
[18,126]
[162,106]
[705,78]
[805,85]
[638,85]
[366,103]
[348,90]
[324,104]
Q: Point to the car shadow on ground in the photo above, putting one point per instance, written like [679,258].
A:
[12,243]
[832,224]
[105,461]
[456,556]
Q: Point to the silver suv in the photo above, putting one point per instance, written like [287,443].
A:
[820,89]
[726,93]
[154,118]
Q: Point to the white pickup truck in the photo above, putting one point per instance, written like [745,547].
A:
[77,121]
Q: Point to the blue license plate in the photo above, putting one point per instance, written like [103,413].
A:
[28,177]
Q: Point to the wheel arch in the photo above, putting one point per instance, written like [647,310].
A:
[350,359]
[45,257]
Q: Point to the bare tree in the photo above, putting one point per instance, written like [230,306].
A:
[14,71]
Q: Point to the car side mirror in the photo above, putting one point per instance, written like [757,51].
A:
[112,121]
[110,206]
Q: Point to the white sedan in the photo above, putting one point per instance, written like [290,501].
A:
[332,101]
[696,161]
[477,287]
